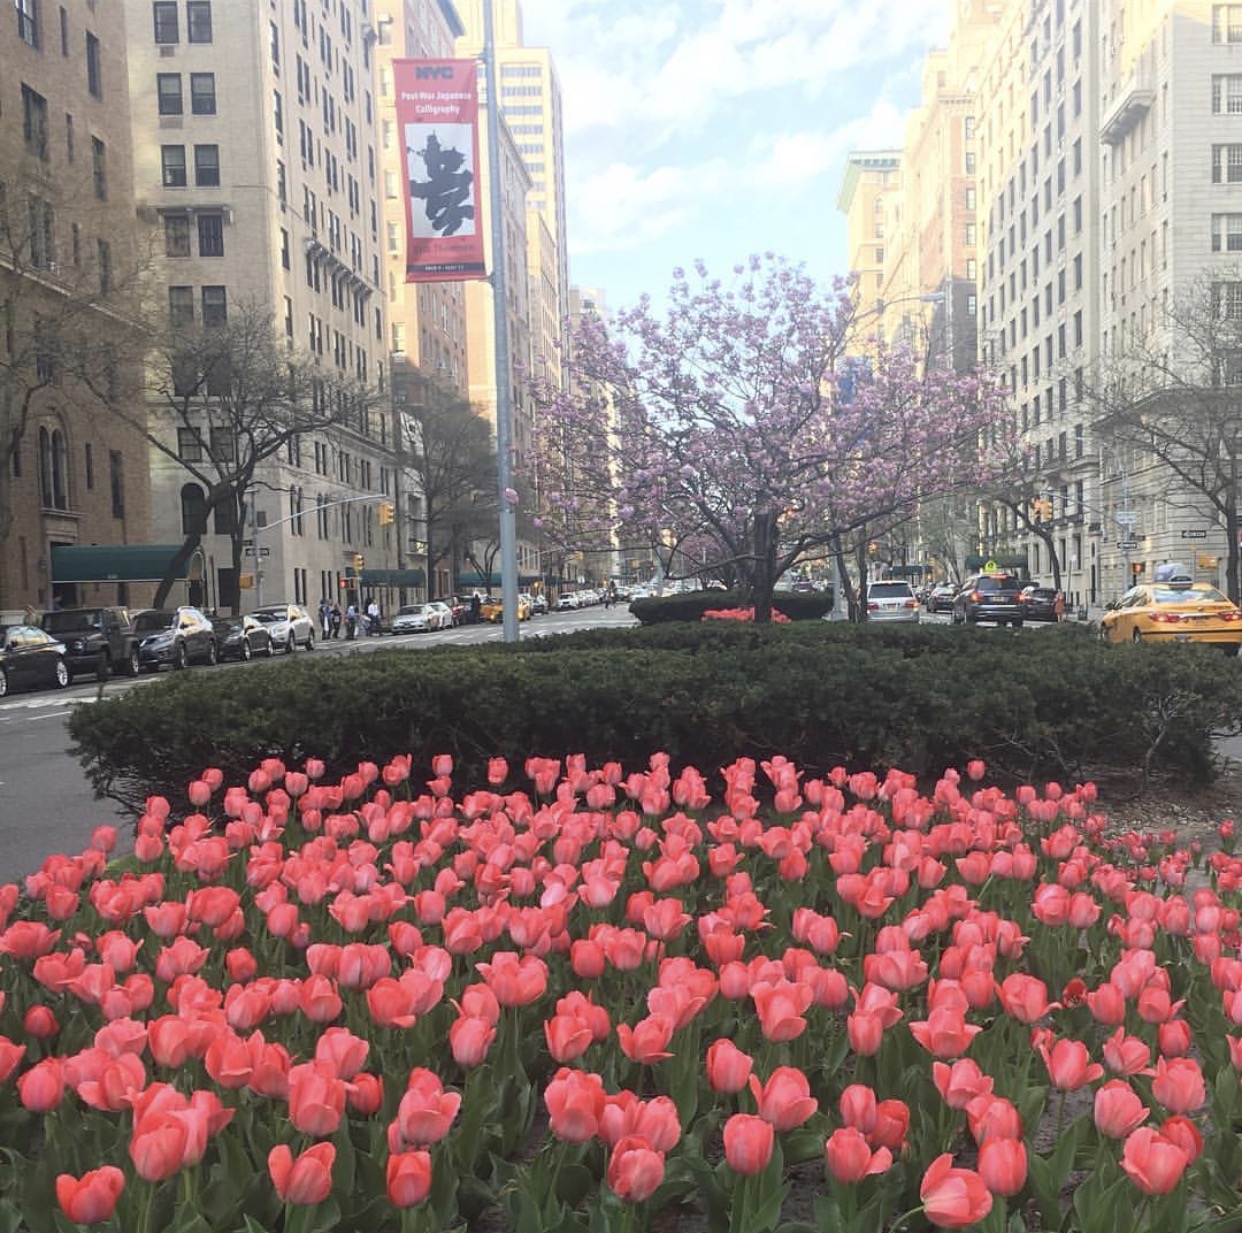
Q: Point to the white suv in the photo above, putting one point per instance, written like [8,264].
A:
[891,600]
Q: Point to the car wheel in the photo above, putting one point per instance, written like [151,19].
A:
[4,683]
[247,651]
[213,654]
[1104,634]
[1136,636]
[1231,651]
[290,645]
[104,671]
[271,650]
[134,665]
[63,675]
[310,641]
[181,659]
[1018,624]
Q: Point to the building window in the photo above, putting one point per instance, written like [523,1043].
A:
[1227,233]
[176,235]
[99,168]
[1227,23]
[89,459]
[116,476]
[1227,94]
[181,305]
[164,13]
[168,94]
[172,162]
[1227,300]
[222,444]
[94,67]
[215,306]
[193,504]
[284,247]
[53,469]
[203,94]
[28,29]
[104,257]
[211,235]
[1227,164]
[34,122]
[207,166]
[198,21]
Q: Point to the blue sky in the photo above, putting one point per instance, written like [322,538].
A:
[714,129]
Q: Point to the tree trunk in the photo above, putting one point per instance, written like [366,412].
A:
[173,573]
[765,562]
[858,600]
[1233,566]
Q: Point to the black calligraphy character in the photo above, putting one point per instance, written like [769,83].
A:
[446,189]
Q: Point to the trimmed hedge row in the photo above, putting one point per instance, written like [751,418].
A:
[1051,704]
[691,606]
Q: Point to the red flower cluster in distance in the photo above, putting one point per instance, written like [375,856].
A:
[581,993]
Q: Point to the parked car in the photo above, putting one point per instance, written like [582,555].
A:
[443,613]
[242,637]
[290,626]
[459,607]
[989,597]
[415,619]
[98,641]
[538,604]
[529,600]
[30,657]
[891,600]
[1177,610]
[940,598]
[568,602]
[177,637]
[1042,603]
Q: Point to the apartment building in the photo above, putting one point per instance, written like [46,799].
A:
[870,185]
[1039,322]
[75,474]
[255,130]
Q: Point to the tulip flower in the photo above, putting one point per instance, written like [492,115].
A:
[1002,1165]
[1179,1085]
[1154,1163]
[90,1199]
[303,1181]
[785,1100]
[953,1198]
[575,1102]
[409,1178]
[850,1158]
[635,1169]
[1069,1065]
[728,1068]
[1118,1109]
[748,1143]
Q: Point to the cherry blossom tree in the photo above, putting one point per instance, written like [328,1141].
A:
[749,425]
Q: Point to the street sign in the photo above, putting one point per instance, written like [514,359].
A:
[1127,545]
[1126,518]
[249,551]
[1194,535]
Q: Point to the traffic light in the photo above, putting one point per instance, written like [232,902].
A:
[386,513]
[359,564]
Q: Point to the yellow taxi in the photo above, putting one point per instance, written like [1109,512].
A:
[1174,608]
[493,610]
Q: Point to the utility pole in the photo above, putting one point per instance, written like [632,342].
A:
[507,502]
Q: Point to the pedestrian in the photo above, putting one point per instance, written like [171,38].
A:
[373,617]
[30,617]
[336,620]
[476,608]
[351,622]
[325,617]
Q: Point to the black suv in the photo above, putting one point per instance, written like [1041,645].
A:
[98,640]
[989,597]
[177,637]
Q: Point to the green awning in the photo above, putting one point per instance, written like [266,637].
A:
[392,577]
[476,579]
[114,562]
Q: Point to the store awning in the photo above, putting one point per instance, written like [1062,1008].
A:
[392,577]
[114,562]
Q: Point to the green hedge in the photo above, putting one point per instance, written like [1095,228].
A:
[691,606]
[1048,704]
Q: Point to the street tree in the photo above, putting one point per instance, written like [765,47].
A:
[1169,399]
[453,456]
[67,310]
[224,397]
[751,425]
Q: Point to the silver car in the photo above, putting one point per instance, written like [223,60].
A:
[891,600]
[289,625]
[415,619]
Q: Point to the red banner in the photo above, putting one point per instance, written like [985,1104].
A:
[438,127]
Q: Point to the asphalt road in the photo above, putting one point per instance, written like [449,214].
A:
[46,804]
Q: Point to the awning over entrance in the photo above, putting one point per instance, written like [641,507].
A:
[392,577]
[114,562]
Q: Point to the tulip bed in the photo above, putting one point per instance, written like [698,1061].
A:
[584,1000]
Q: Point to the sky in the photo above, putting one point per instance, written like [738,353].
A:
[714,129]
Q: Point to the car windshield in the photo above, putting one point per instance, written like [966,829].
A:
[889,590]
[148,621]
[269,617]
[997,582]
[63,622]
[411,610]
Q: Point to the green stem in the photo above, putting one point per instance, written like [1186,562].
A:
[1060,1114]
[896,1225]
[148,1207]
